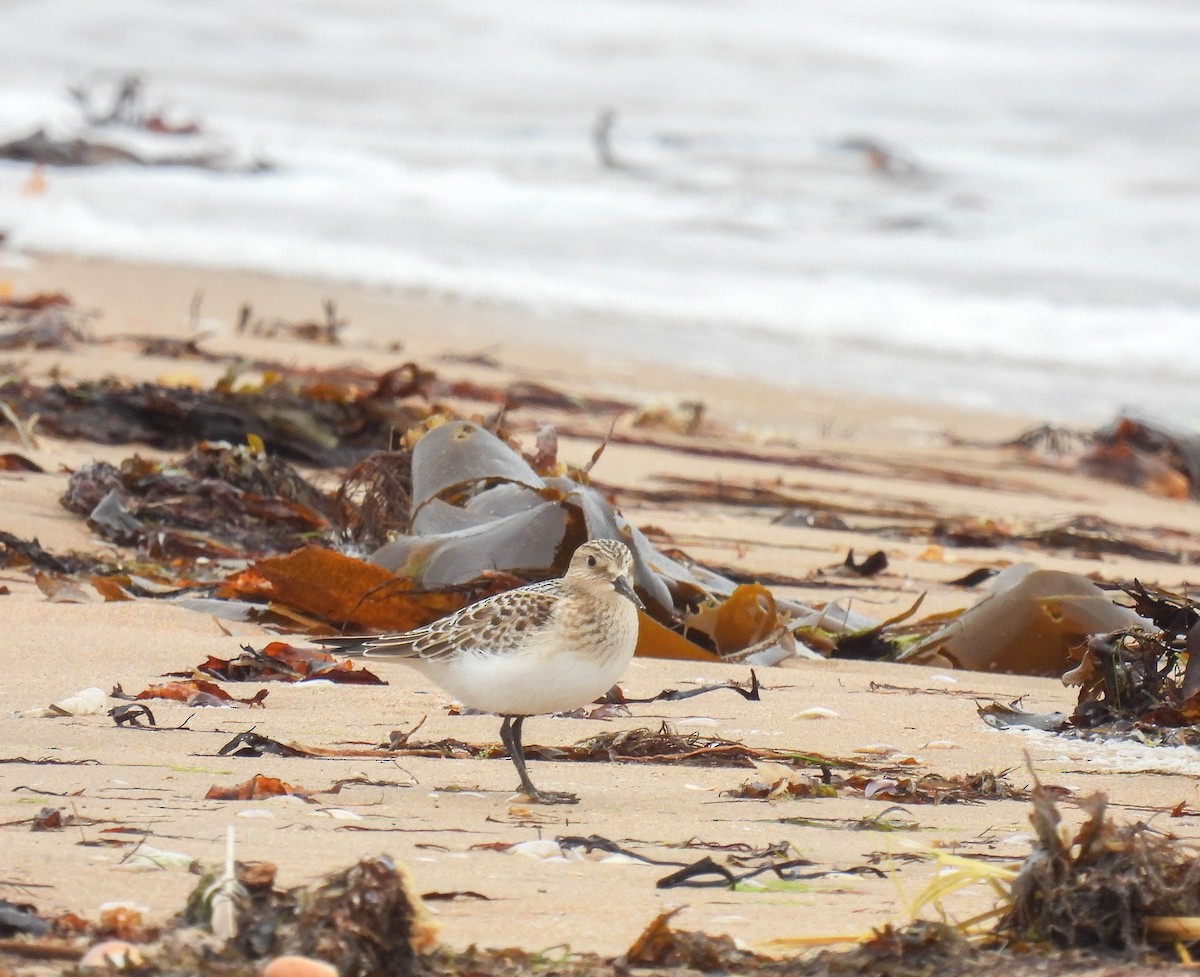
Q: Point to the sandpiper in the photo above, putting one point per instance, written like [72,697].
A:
[544,648]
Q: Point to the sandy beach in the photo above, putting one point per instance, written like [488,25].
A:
[861,458]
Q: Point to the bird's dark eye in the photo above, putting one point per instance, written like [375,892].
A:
[591,561]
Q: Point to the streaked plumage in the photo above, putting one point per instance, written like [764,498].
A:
[544,648]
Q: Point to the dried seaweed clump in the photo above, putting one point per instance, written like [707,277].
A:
[1120,888]
[920,949]
[366,919]
[374,499]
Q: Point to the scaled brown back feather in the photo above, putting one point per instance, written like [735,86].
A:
[487,626]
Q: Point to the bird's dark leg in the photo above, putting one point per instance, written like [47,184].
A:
[510,736]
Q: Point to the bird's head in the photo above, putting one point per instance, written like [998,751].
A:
[602,564]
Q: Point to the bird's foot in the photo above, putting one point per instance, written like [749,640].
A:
[549,796]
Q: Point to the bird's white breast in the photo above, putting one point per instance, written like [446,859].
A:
[558,669]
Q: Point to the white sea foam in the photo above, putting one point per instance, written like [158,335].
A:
[1039,253]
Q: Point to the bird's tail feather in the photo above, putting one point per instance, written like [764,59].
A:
[346,644]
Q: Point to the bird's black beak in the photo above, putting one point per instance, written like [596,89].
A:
[625,588]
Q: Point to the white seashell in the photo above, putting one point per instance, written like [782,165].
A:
[879,786]
[338,814]
[544,849]
[941,745]
[87,702]
[817,712]
[773,772]
[878,749]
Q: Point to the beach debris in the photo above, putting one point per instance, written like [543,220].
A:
[685,416]
[1086,536]
[1119,887]
[480,517]
[999,715]
[117,98]
[220,500]
[125,920]
[10,461]
[643,745]
[364,920]
[296,966]
[45,148]
[571,848]
[368,919]
[851,638]
[638,745]
[257,788]
[322,418]
[479,506]
[1135,676]
[750,692]
[147,857]
[1133,683]
[660,946]
[116,125]
[707,873]
[47,819]
[374,498]
[871,565]
[747,619]
[918,949]
[345,592]
[882,159]
[60,590]
[481,520]
[974,578]
[525,394]
[132,714]
[223,897]
[87,702]
[279,661]
[816,712]
[1133,451]
[778,780]
[659,641]
[327,331]
[17,552]
[112,956]
[1033,622]
[252,744]
[198,693]
[46,320]
[454,895]
[21,918]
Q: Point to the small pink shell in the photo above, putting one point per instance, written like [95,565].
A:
[298,967]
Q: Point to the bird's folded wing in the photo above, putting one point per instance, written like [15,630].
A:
[493,626]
